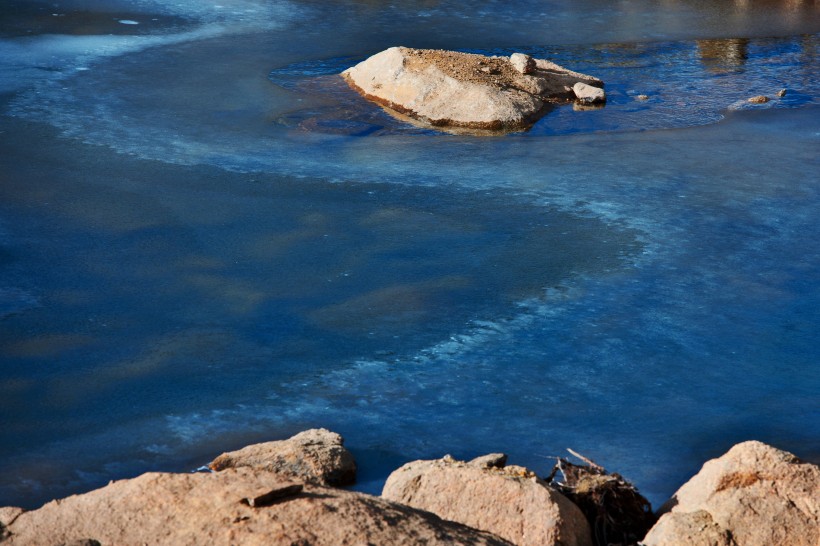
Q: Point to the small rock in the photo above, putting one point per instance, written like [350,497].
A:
[510,502]
[782,92]
[588,94]
[760,99]
[316,455]
[82,542]
[523,63]
[642,97]
[491,460]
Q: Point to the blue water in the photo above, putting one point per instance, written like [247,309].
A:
[207,240]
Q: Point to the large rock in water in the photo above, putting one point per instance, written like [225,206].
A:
[315,455]
[453,89]
[508,501]
[754,495]
[239,506]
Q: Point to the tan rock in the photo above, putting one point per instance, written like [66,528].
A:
[588,94]
[491,460]
[690,529]
[452,89]
[760,99]
[316,455]
[9,514]
[759,494]
[207,508]
[509,502]
[523,63]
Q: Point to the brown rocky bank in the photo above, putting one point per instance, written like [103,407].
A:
[275,493]
[455,90]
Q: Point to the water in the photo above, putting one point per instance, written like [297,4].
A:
[207,240]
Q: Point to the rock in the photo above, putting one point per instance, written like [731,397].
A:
[642,97]
[509,502]
[689,529]
[206,508]
[588,94]
[450,89]
[616,511]
[8,514]
[523,63]
[491,460]
[82,542]
[316,455]
[782,93]
[759,494]
[760,99]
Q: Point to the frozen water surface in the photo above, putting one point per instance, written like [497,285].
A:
[206,240]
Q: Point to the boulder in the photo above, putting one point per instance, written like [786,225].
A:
[760,495]
[450,89]
[316,455]
[508,501]
[211,508]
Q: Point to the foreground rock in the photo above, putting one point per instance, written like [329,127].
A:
[616,511]
[508,501]
[753,495]
[316,455]
[463,90]
[213,508]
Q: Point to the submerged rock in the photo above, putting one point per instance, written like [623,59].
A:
[757,494]
[208,508]
[508,501]
[450,89]
[316,455]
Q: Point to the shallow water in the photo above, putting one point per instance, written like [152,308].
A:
[206,240]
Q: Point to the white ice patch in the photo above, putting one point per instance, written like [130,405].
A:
[127,22]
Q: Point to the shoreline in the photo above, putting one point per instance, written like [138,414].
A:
[281,490]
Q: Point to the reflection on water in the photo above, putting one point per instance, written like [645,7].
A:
[721,56]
